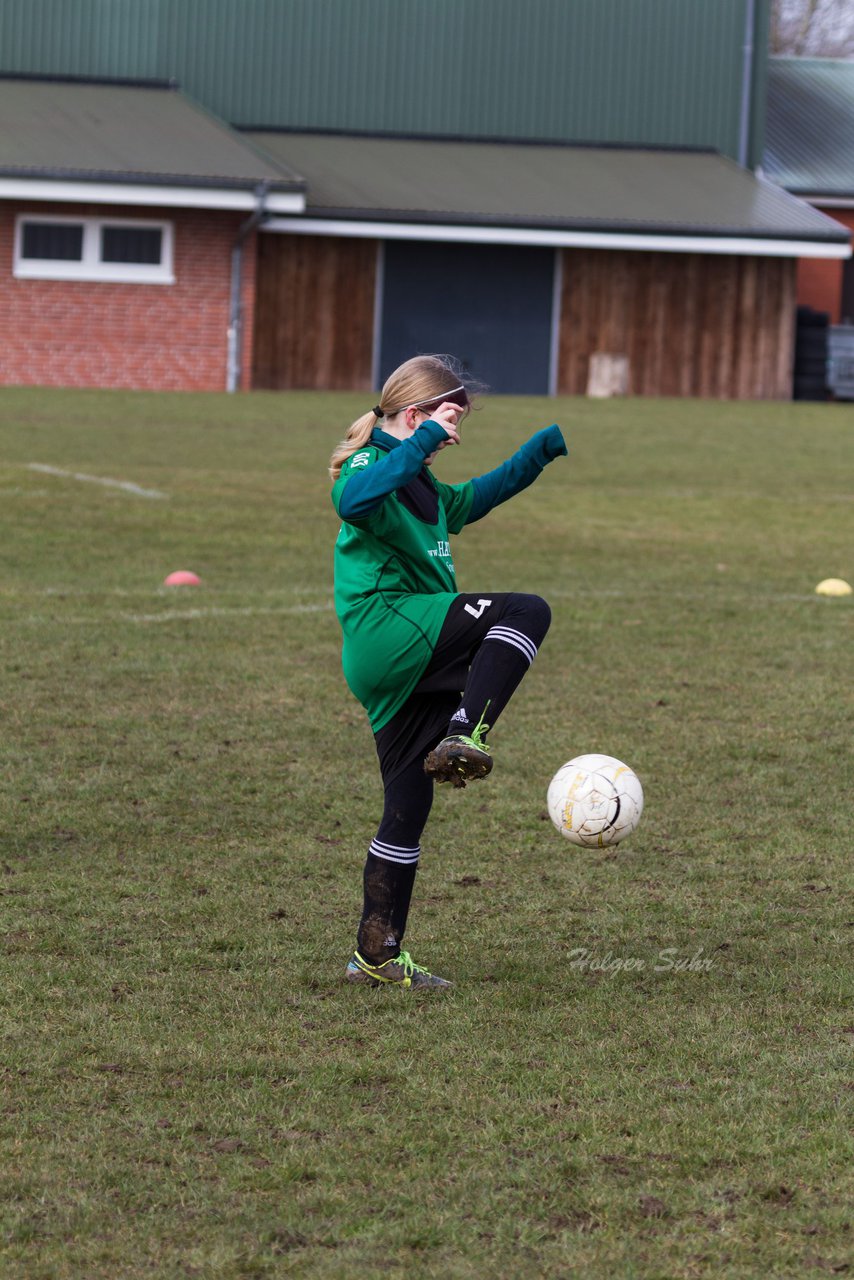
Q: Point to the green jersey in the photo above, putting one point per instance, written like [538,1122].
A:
[394,575]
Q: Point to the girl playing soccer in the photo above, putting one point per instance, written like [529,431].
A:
[433,668]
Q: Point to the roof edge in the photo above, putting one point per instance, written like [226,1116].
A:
[490,139]
[142,179]
[116,82]
[843,199]
[605,226]
[805,61]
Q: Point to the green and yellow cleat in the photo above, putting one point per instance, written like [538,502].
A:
[402,971]
[460,758]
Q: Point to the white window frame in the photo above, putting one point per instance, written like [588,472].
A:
[90,266]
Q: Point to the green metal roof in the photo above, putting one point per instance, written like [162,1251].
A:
[809,145]
[125,133]
[608,189]
[633,72]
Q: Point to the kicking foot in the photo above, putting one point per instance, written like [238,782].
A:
[459,758]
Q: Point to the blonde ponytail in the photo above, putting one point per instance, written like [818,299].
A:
[358,435]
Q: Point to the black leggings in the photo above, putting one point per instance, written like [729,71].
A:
[515,625]
[485,647]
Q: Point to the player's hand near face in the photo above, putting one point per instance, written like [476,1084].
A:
[448,416]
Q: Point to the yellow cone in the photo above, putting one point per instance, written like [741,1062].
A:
[833,587]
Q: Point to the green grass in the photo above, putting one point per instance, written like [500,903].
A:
[189,789]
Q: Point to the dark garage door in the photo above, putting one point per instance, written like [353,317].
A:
[489,305]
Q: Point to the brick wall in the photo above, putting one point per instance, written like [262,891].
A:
[65,333]
[820,279]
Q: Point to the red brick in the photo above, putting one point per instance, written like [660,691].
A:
[135,336]
[820,279]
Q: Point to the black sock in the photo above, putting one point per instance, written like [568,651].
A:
[507,650]
[494,676]
[388,892]
[392,862]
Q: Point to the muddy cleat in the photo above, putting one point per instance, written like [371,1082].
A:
[402,971]
[459,758]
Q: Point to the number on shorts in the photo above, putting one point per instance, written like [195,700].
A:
[478,612]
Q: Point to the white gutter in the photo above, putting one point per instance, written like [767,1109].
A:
[830,202]
[558,239]
[143,194]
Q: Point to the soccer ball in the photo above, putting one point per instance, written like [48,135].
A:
[595,800]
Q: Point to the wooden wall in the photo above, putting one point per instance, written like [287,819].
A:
[314,313]
[704,325]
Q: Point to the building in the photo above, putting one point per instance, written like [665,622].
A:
[529,259]
[809,151]
[124,212]
[528,186]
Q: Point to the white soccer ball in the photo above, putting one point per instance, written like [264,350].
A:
[595,800]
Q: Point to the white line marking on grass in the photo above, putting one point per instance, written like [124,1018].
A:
[190,615]
[126,485]
[655,601]
[642,602]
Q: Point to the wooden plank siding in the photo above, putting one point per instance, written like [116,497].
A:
[712,326]
[695,325]
[314,313]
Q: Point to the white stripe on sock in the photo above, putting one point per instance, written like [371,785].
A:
[397,848]
[394,853]
[517,638]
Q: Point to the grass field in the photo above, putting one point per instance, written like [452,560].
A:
[645,1067]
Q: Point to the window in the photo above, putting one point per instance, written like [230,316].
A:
[52,240]
[132,244]
[115,249]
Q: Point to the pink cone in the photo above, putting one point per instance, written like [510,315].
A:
[182,578]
